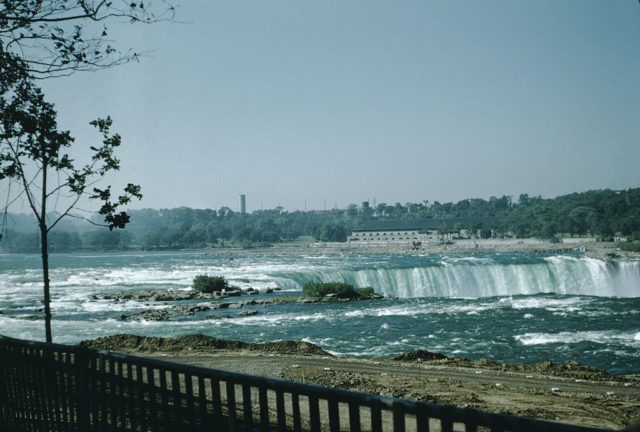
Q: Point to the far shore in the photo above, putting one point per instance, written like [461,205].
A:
[606,251]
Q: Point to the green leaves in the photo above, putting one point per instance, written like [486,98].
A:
[103,156]
[109,208]
[55,38]
[209,284]
[29,130]
[31,146]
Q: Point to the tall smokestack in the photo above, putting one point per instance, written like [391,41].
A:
[243,204]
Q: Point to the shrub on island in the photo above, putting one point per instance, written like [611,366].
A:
[209,284]
[337,289]
[367,292]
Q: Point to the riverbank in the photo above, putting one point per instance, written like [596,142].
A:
[605,251]
[568,393]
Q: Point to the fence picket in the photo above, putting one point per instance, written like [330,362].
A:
[282,421]
[376,416]
[297,420]
[399,422]
[422,421]
[334,416]
[216,402]
[192,415]
[177,402]
[247,409]
[314,412]
[231,405]
[354,417]
[202,400]
[263,401]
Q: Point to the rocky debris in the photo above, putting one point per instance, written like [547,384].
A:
[571,369]
[198,342]
[210,302]
[176,295]
[305,300]
[167,313]
[148,315]
[247,313]
[190,310]
[170,296]
[231,292]
[420,355]
[587,405]
[331,378]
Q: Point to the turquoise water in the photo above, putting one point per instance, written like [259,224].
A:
[506,307]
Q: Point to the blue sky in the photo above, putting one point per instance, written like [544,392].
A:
[338,102]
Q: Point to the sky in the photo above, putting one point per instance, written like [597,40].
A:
[317,104]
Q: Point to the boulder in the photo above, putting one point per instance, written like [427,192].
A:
[247,313]
[232,292]
[418,355]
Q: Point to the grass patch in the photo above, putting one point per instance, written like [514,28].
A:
[338,289]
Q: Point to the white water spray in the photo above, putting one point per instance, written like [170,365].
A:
[468,278]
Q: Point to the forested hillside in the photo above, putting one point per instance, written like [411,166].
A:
[600,213]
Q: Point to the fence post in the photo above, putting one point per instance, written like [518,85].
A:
[82,385]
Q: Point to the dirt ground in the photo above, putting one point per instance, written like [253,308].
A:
[568,393]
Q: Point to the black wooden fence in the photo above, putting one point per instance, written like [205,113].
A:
[51,387]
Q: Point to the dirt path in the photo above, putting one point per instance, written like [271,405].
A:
[611,403]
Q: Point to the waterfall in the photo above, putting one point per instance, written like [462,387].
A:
[484,278]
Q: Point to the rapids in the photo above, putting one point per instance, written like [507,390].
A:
[506,307]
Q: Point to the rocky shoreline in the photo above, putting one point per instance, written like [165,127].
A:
[202,343]
[570,392]
[190,302]
[197,342]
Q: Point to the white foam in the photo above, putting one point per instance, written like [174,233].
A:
[415,309]
[319,342]
[601,337]
[570,304]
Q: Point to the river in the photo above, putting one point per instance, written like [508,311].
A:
[510,307]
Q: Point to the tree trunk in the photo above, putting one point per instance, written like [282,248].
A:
[44,234]
[45,275]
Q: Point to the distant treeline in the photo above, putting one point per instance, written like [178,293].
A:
[600,213]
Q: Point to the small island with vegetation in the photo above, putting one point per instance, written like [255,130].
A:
[209,284]
[211,296]
[337,289]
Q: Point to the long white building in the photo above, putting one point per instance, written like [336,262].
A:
[409,231]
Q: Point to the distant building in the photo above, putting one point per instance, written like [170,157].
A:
[410,231]
[243,204]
